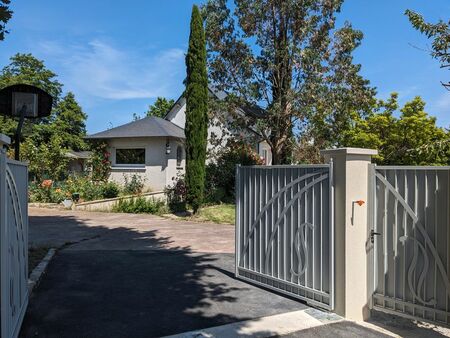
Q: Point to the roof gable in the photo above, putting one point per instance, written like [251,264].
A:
[151,126]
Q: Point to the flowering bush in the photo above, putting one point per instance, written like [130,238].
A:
[46,192]
[77,188]
[99,162]
[176,194]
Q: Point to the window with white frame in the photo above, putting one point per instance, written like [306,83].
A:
[131,156]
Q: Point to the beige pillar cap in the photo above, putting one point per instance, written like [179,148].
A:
[350,151]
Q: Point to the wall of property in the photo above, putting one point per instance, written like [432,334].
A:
[159,167]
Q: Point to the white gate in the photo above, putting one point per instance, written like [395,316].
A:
[284,230]
[14,244]
[411,235]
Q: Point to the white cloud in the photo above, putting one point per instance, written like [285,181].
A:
[98,69]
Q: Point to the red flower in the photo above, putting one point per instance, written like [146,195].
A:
[46,183]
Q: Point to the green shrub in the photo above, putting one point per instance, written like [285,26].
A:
[46,192]
[221,174]
[87,189]
[133,185]
[77,188]
[140,205]
[110,190]
[176,194]
[99,161]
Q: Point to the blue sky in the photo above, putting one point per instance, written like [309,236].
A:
[117,57]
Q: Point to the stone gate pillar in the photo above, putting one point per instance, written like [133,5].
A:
[352,233]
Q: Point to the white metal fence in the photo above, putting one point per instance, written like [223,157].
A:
[411,221]
[14,244]
[284,230]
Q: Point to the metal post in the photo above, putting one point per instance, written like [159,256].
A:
[4,282]
[18,134]
[237,221]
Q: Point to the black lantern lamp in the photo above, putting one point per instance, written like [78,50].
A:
[24,101]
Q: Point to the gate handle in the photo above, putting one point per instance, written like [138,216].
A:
[373,234]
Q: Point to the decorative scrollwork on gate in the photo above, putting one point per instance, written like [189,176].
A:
[19,236]
[429,244]
[413,266]
[300,242]
[315,180]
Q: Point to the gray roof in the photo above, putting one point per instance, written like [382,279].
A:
[146,127]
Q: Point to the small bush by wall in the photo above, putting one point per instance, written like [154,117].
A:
[140,205]
[133,184]
[176,194]
[78,188]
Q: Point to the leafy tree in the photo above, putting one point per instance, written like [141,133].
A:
[410,139]
[45,141]
[70,123]
[5,15]
[160,107]
[439,33]
[46,160]
[25,68]
[196,111]
[288,57]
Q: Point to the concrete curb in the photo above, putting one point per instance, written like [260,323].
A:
[269,326]
[39,270]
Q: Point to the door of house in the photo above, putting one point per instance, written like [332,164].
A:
[411,238]
[284,230]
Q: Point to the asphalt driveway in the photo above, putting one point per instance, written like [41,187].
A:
[123,275]
[119,275]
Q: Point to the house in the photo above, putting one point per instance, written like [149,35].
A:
[77,161]
[153,147]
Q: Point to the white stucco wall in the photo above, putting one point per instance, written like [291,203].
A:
[159,167]
[264,149]
[180,118]
[218,135]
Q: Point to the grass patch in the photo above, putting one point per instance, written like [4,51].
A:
[35,256]
[222,213]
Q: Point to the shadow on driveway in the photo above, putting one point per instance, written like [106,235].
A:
[139,293]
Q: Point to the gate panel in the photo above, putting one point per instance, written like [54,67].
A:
[14,247]
[412,254]
[284,232]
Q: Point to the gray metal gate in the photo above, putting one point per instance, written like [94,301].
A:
[284,230]
[13,244]
[411,234]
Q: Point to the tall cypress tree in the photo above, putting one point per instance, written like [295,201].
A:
[196,128]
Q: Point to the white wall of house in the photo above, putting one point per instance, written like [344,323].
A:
[265,152]
[159,167]
[218,131]
[180,117]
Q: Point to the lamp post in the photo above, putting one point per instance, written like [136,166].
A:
[24,101]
